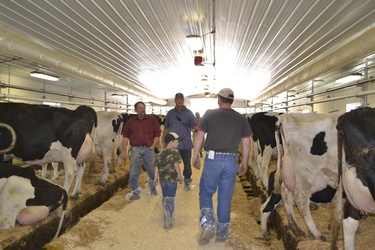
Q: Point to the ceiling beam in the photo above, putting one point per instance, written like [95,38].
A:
[354,50]
[29,49]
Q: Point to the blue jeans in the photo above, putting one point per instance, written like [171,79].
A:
[186,159]
[168,189]
[136,155]
[218,174]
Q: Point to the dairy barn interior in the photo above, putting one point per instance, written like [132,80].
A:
[289,56]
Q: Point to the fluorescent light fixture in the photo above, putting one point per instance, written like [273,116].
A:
[115,95]
[349,78]
[44,76]
[194,42]
[52,103]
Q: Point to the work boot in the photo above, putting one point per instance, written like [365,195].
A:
[134,195]
[168,212]
[222,232]
[152,188]
[153,191]
[207,221]
[187,184]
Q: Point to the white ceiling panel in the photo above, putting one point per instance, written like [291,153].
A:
[139,45]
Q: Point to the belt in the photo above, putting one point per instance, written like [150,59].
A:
[224,153]
[143,146]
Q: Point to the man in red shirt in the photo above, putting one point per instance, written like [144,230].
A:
[143,133]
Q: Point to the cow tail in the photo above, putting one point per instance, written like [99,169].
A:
[338,210]
[65,204]
[14,138]
[277,183]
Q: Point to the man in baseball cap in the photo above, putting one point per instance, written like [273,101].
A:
[227,93]
[179,95]
[181,120]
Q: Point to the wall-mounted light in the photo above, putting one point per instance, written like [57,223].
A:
[198,61]
[350,78]
[194,42]
[44,76]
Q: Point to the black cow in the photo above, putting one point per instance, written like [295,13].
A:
[48,134]
[263,126]
[356,134]
[25,199]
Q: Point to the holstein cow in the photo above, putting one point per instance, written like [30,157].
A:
[48,134]
[309,163]
[25,199]
[108,139]
[263,125]
[324,196]
[356,132]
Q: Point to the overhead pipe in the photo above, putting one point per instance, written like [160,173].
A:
[3,85]
[354,50]
[331,99]
[26,48]
[25,98]
[325,92]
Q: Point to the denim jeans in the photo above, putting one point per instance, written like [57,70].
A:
[186,159]
[137,154]
[168,189]
[218,174]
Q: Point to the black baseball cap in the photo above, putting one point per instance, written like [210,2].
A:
[171,137]
[179,95]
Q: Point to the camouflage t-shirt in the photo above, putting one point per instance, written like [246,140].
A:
[165,161]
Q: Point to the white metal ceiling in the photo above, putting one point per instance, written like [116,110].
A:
[122,40]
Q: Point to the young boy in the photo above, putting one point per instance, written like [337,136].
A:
[167,171]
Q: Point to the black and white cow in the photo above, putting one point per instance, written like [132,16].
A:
[109,139]
[48,134]
[324,196]
[264,143]
[25,199]
[309,163]
[356,134]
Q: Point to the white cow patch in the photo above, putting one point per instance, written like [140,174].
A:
[358,194]
[15,191]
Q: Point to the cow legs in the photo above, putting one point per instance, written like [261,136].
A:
[267,154]
[55,166]
[79,175]
[70,168]
[350,225]
[265,210]
[104,177]
[302,200]
[252,160]
[44,170]
[288,201]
